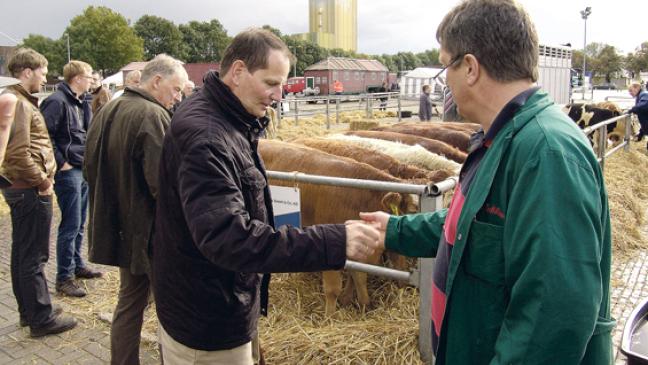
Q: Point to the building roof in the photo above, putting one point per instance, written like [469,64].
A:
[139,66]
[342,63]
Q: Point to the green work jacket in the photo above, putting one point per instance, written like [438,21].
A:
[530,283]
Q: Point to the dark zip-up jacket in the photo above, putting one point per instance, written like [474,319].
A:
[641,108]
[214,232]
[67,120]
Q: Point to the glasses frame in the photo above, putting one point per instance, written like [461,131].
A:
[452,62]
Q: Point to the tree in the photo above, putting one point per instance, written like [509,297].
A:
[429,57]
[204,41]
[160,36]
[54,50]
[638,61]
[103,38]
[607,62]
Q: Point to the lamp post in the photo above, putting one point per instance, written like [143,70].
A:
[584,14]
[68,45]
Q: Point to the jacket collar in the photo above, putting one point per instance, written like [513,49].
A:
[67,91]
[20,90]
[136,91]
[231,105]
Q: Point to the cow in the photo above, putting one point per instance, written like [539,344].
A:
[458,139]
[322,203]
[585,115]
[377,159]
[412,155]
[456,126]
[432,145]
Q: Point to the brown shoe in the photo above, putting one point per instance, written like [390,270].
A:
[70,288]
[85,273]
[58,325]
[56,311]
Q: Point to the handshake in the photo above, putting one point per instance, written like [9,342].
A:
[366,237]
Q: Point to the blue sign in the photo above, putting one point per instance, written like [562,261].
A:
[286,205]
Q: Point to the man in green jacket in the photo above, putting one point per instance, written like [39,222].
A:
[121,164]
[522,270]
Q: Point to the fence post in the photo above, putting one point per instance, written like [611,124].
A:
[602,145]
[428,203]
[399,107]
[367,106]
[328,121]
[337,111]
[628,133]
[296,113]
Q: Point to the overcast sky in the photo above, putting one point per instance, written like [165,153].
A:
[384,26]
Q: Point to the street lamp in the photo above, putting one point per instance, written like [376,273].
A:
[584,14]
[68,45]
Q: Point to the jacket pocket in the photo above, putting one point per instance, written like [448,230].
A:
[484,257]
[253,189]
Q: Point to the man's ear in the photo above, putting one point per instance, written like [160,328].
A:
[238,69]
[473,69]
[157,79]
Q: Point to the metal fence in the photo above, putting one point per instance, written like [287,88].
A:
[430,200]
[334,105]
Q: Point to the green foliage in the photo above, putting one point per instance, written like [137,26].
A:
[54,50]
[638,61]
[160,36]
[104,39]
[204,41]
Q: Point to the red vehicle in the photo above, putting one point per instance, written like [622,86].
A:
[294,85]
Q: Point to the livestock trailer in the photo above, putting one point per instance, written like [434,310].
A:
[356,75]
[554,72]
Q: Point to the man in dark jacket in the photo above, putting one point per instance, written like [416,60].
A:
[214,234]
[640,108]
[68,115]
[425,104]
[121,165]
[29,165]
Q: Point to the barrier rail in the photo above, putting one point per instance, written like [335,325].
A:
[430,199]
[343,103]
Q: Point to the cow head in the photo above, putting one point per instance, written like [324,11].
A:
[399,204]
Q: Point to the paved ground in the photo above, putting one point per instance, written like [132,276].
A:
[89,343]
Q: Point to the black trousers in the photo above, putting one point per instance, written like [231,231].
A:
[31,218]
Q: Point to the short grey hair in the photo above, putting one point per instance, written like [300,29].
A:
[163,65]
[499,33]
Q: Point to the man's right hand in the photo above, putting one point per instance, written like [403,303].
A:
[46,188]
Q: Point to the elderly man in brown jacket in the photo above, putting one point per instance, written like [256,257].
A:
[29,166]
[122,158]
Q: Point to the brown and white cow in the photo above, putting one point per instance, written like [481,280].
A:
[435,131]
[432,145]
[377,159]
[323,204]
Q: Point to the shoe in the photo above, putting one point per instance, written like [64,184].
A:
[56,311]
[86,273]
[58,325]
[70,288]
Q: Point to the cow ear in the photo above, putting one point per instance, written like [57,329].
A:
[391,202]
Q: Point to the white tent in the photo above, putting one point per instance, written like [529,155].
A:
[116,79]
[412,82]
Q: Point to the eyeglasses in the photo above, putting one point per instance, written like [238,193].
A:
[452,62]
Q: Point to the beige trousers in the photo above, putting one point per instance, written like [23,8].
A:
[175,353]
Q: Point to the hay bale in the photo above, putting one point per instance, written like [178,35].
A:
[362,125]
